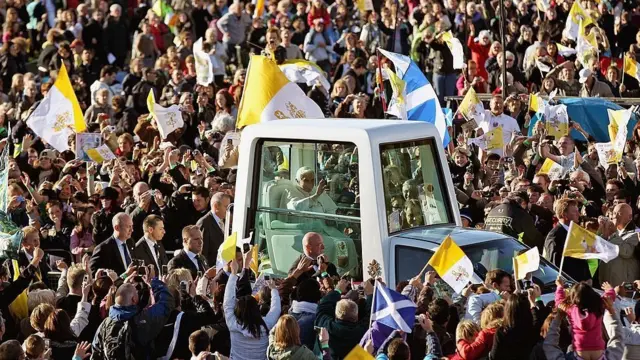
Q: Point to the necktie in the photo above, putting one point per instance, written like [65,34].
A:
[156,248]
[127,258]
[200,263]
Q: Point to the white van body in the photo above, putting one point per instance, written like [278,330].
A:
[400,253]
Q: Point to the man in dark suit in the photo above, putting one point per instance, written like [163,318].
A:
[212,226]
[115,252]
[190,257]
[313,247]
[566,211]
[149,248]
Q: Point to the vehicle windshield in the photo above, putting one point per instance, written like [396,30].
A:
[485,256]
[414,188]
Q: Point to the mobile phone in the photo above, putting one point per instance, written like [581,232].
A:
[142,270]
[628,286]
[165,269]
[267,277]
[317,329]
[184,286]
[200,274]
[47,344]
[230,142]
[86,278]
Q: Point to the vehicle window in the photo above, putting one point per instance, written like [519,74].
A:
[291,202]
[413,184]
[485,256]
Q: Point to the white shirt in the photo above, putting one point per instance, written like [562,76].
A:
[29,256]
[193,257]
[508,124]
[152,245]
[122,257]
[218,220]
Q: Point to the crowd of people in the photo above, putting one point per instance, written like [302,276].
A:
[117,260]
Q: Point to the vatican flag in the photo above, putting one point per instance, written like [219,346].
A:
[552,169]
[59,115]
[631,68]
[204,67]
[526,262]
[397,104]
[583,244]
[455,47]
[269,95]
[618,121]
[537,103]
[492,140]
[576,15]
[556,120]
[471,107]
[168,119]
[453,266]
[101,154]
[303,71]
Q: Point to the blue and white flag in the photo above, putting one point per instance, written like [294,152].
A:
[393,309]
[421,101]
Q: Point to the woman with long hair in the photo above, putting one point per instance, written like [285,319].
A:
[249,330]
[225,105]
[57,329]
[284,341]
[520,330]
[81,236]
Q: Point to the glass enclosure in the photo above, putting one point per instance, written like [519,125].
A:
[304,187]
[414,189]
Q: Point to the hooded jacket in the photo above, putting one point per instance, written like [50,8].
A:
[295,352]
[148,322]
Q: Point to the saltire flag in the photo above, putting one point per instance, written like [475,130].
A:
[421,101]
[393,309]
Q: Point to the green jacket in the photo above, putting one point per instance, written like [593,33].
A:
[295,352]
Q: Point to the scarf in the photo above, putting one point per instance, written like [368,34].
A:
[303,307]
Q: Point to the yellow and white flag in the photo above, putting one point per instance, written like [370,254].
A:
[527,262]
[565,50]
[576,15]
[543,5]
[259,11]
[606,154]
[397,104]
[204,66]
[552,169]
[631,67]
[583,244]
[269,95]
[364,6]
[168,119]
[101,154]
[618,121]
[492,140]
[456,49]
[471,107]
[453,266]
[303,71]
[586,46]
[537,103]
[59,115]
[556,120]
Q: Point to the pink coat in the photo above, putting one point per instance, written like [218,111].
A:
[586,327]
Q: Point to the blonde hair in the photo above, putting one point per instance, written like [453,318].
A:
[491,316]
[286,332]
[176,276]
[75,276]
[466,330]
[28,230]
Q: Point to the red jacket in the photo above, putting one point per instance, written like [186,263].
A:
[319,14]
[479,54]
[478,348]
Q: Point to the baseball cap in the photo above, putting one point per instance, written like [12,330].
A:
[584,75]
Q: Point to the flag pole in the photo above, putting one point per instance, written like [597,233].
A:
[373,301]
[563,250]
[381,83]
[624,59]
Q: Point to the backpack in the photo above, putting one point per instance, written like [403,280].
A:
[117,339]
